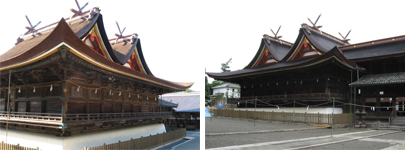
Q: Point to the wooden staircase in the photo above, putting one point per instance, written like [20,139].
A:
[398,121]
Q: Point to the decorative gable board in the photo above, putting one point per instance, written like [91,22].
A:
[135,63]
[265,58]
[305,49]
[95,42]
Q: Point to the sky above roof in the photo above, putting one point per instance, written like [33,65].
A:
[182,38]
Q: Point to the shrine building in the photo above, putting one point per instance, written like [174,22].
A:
[317,68]
[68,78]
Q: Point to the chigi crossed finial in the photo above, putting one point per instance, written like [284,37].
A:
[345,38]
[120,34]
[275,34]
[78,12]
[30,28]
[314,24]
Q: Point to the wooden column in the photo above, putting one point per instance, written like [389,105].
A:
[65,95]
[378,98]
[87,107]
[393,102]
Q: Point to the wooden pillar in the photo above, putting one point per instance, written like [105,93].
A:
[102,107]
[378,98]
[393,102]
[122,106]
[65,95]
[87,107]
[113,107]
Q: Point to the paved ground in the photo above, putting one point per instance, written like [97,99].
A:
[191,143]
[223,125]
[307,138]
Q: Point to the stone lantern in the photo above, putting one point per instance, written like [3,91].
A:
[363,118]
[358,116]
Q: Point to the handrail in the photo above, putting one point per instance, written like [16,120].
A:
[66,118]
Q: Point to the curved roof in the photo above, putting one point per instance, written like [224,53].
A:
[335,54]
[318,39]
[79,26]
[276,49]
[42,46]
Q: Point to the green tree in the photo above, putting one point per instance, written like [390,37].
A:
[225,66]
[207,88]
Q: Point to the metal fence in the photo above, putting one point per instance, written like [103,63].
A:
[5,146]
[143,142]
[315,118]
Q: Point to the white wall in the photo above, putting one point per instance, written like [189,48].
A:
[52,142]
[223,90]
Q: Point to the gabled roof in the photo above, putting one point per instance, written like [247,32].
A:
[275,48]
[35,49]
[319,40]
[322,47]
[124,49]
[333,54]
[80,27]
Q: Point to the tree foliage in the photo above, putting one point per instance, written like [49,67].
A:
[225,66]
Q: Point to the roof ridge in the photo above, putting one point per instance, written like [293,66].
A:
[52,26]
[373,42]
[274,39]
[325,34]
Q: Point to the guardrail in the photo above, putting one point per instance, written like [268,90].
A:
[316,118]
[29,118]
[143,142]
[312,96]
[112,116]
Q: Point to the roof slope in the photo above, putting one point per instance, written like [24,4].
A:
[319,40]
[187,102]
[276,49]
[380,79]
[382,48]
[63,34]
[80,27]
[334,54]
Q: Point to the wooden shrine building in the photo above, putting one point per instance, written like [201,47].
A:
[318,68]
[69,78]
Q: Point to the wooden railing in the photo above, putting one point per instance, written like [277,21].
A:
[143,142]
[5,146]
[114,116]
[312,96]
[54,119]
[315,118]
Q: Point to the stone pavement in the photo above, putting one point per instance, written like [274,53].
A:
[287,136]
